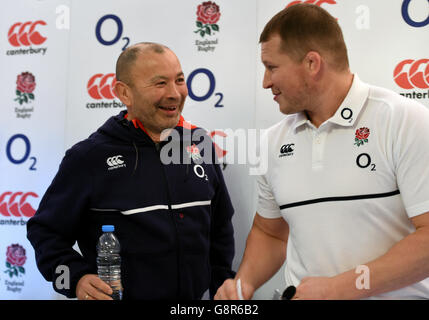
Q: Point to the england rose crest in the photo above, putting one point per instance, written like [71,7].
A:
[25,85]
[15,260]
[193,152]
[361,136]
[208,15]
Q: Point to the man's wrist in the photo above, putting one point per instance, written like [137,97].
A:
[347,286]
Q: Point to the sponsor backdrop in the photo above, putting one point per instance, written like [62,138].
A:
[58,69]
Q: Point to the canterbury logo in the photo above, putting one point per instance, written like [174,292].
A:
[15,204]
[315,2]
[101,86]
[115,161]
[287,148]
[410,74]
[25,34]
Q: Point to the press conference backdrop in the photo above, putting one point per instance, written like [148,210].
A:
[57,62]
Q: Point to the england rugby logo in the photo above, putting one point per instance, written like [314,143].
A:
[193,152]
[208,15]
[25,85]
[361,136]
[15,260]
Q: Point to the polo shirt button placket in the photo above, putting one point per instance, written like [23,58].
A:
[318,146]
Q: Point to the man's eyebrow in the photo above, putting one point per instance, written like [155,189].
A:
[159,77]
[156,78]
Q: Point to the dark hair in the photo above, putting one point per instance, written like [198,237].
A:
[307,27]
[127,58]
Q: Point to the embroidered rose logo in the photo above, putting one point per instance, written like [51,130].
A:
[15,260]
[207,15]
[193,152]
[362,135]
[25,84]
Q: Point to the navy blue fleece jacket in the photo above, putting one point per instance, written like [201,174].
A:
[173,221]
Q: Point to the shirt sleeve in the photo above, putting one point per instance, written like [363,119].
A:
[53,229]
[411,150]
[267,206]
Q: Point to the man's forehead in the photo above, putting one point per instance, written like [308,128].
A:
[272,49]
[272,44]
[154,68]
[266,52]
[152,59]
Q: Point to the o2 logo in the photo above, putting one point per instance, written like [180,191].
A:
[200,173]
[18,159]
[407,18]
[210,91]
[363,161]
[119,30]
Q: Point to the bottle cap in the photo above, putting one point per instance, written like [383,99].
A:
[108,228]
[288,293]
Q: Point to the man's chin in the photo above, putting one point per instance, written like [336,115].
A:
[171,122]
[285,110]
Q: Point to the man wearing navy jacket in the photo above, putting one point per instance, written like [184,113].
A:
[173,221]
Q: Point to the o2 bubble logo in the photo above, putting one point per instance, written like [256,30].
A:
[21,143]
[211,89]
[119,30]
[363,161]
[407,18]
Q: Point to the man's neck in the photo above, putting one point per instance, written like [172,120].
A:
[156,137]
[328,97]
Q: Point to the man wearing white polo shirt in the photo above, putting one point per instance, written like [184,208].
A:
[345,199]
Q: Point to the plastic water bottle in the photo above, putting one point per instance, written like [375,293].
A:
[109,261]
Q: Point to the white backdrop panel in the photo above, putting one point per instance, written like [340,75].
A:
[379,35]
[38,145]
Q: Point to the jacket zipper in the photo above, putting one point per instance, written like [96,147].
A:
[179,247]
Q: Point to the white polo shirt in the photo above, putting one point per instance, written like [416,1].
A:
[348,188]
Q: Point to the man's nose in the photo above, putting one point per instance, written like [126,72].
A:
[174,92]
[267,83]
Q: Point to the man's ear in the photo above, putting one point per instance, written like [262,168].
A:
[313,63]
[123,92]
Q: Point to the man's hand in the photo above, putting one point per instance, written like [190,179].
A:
[91,287]
[228,290]
[315,288]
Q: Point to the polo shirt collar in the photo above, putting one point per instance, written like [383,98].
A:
[349,109]
[301,119]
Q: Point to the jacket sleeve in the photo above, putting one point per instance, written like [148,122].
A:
[54,228]
[222,236]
